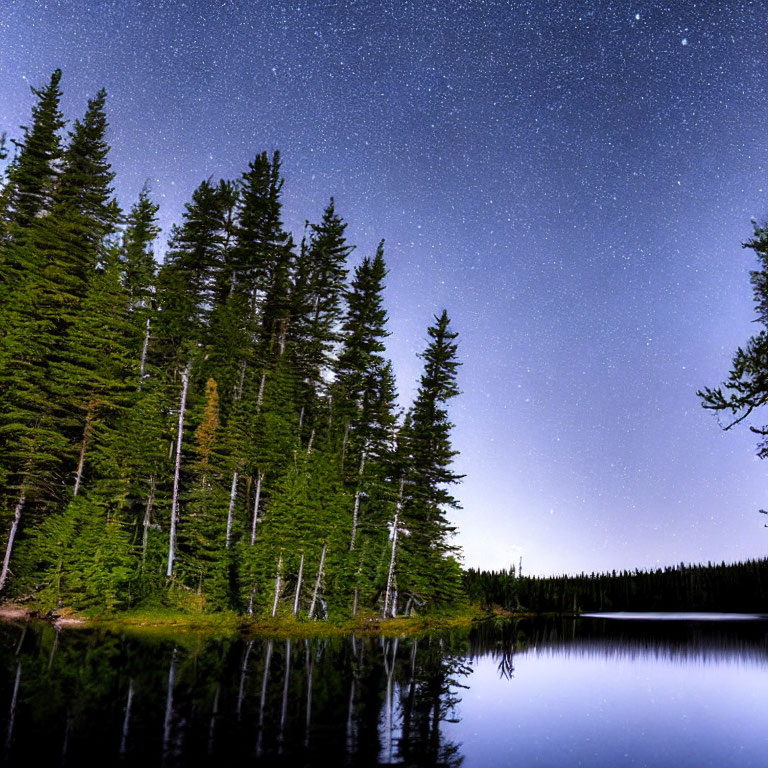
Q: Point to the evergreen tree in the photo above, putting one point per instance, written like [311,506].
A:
[60,251]
[317,329]
[33,174]
[138,259]
[91,380]
[222,430]
[428,573]
[187,282]
[746,388]
[140,272]
[359,369]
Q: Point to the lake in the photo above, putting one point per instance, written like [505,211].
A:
[587,692]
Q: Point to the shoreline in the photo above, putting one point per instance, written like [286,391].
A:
[161,622]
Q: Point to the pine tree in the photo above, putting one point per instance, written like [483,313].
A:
[60,251]
[139,263]
[34,172]
[428,574]
[317,330]
[140,271]
[187,282]
[359,370]
[91,380]
[746,389]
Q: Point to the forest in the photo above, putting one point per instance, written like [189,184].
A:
[739,587]
[218,432]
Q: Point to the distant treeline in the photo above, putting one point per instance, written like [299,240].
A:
[740,587]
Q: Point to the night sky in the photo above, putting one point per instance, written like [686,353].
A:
[571,180]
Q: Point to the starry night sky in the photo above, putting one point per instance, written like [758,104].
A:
[571,180]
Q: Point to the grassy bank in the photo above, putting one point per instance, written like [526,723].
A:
[160,621]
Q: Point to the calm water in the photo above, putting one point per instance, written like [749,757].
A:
[593,692]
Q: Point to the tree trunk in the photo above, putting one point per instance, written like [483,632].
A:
[143,362]
[344,442]
[311,439]
[147,519]
[317,583]
[298,586]
[356,509]
[278,585]
[257,496]
[391,572]
[260,396]
[83,447]
[231,510]
[11,537]
[241,382]
[177,469]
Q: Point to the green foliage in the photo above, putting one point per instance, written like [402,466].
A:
[291,453]
[746,388]
[79,557]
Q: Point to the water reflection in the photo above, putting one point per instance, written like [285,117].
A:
[194,701]
[591,692]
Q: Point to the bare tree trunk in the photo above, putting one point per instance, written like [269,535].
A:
[301,417]
[147,519]
[260,395]
[256,499]
[231,510]
[298,586]
[143,363]
[311,438]
[356,509]
[11,537]
[282,335]
[344,442]
[317,583]
[278,585]
[391,572]
[177,468]
[355,600]
[126,720]
[241,382]
[83,447]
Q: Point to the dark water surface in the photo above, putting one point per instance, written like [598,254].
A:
[592,692]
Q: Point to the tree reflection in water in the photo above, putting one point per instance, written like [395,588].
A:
[196,701]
